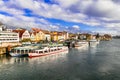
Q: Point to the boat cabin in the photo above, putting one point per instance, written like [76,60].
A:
[20,50]
[47,49]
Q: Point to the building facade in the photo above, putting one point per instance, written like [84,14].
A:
[23,34]
[47,35]
[9,36]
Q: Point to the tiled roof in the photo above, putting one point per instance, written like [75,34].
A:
[21,31]
[45,31]
[35,29]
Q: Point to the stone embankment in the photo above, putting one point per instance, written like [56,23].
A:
[4,47]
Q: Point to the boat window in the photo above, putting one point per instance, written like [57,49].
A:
[40,51]
[45,51]
[12,50]
[18,51]
[51,50]
[26,51]
[30,51]
[22,51]
[36,51]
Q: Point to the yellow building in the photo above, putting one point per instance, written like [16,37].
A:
[40,35]
[35,35]
[54,36]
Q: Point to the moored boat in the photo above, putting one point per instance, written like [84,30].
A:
[21,51]
[81,44]
[48,51]
[93,42]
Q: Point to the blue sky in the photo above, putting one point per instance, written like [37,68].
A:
[69,15]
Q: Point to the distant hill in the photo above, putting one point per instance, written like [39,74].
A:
[116,37]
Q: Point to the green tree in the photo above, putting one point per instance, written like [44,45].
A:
[26,40]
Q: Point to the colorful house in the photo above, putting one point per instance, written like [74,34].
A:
[47,35]
[65,35]
[33,36]
[23,33]
[60,36]
[40,35]
[56,36]
[73,36]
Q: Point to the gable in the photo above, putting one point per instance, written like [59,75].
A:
[26,33]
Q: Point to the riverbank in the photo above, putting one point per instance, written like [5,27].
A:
[5,47]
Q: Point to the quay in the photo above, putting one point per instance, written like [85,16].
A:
[2,50]
[6,47]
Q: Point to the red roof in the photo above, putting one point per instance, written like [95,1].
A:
[21,31]
[35,29]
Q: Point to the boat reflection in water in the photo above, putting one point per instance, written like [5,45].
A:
[48,58]
[11,60]
[42,59]
[19,60]
[4,59]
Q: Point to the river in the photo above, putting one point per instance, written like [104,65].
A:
[91,63]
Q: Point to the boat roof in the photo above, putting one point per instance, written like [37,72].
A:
[25,48]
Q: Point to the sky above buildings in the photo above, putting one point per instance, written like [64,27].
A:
[70,15]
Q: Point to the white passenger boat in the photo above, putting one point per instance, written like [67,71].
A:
[21,51]
[48,51]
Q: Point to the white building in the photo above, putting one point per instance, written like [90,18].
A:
[26,35]
[23,34]
[9,36]
[2,27]
[47,37]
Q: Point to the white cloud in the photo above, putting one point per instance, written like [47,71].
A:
[76,27]
[54,27]
[66,3]
[98,13]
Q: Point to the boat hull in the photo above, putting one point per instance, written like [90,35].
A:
[18,55]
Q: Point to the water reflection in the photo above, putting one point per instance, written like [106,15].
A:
[12,60]
[48,58]
[4,59]
[92,63]
[19,60]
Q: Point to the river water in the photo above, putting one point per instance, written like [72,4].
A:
[91,63]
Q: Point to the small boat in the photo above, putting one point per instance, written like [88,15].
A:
[93,42]
[81,44]
[48,51]
[21,51]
